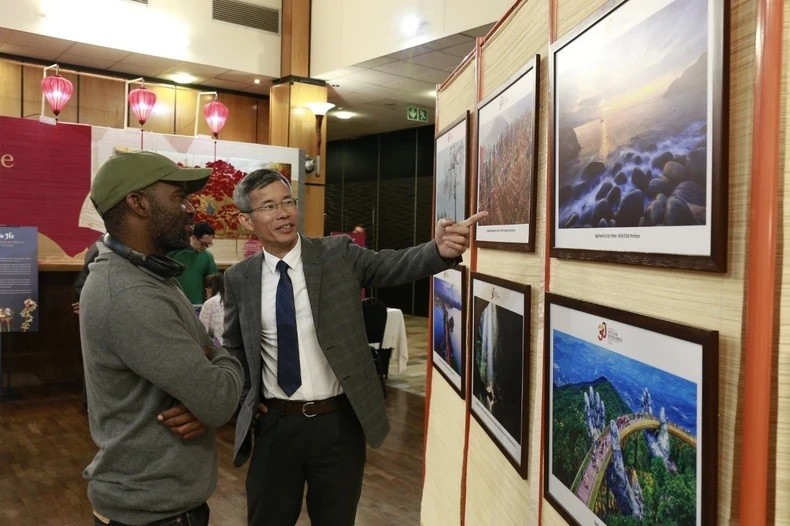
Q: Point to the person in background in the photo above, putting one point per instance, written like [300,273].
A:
[212,314]
[359,235]
[312,395]
[197,260]
[157,386]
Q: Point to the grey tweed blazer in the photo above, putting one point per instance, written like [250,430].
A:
[335,270]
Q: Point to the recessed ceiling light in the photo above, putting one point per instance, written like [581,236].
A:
[343,114]
[410,24]
[183,78]
[256,81]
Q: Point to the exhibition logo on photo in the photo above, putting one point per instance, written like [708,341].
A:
[607,334]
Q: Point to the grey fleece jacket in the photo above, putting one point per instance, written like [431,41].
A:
[143,352]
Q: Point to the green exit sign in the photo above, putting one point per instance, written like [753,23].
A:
[417,114]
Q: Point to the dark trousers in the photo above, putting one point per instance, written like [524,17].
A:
[194,517]
[326,452]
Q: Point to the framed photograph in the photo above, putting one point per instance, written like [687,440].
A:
[631,416]
[449,322]
[500,363]
[507,136]
[639,135]
[451,168]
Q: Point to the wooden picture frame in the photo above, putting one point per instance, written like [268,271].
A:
[507,161]
[638,143]
[448,334]
[451,171]
[499,363]
[631,416]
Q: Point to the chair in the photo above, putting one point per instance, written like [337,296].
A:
[374,312]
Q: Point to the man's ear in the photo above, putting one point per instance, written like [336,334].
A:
[138,204]
[245,222]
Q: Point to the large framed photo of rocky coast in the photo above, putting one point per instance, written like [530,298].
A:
[500,363]
[639,134]
[631,417]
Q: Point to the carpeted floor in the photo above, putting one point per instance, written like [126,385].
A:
[412,379]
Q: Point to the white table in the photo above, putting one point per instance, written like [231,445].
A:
[395,338]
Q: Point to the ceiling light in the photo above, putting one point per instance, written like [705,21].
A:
[410,24]
[343,114]
[256,81]
[183,78]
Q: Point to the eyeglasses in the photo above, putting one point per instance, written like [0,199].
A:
[270,208]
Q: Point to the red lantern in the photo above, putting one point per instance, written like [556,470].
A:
[57,90]
[142,101]
[216,114]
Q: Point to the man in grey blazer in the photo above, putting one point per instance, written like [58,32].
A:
[293,317]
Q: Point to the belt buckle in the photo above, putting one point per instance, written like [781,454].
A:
[304,407]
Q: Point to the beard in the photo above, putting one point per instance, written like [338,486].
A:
[167,228]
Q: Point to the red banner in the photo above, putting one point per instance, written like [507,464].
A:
[45,174]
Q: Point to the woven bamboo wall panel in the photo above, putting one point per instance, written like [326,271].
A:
[782,379]
[495,493]
[516,41]
[705,300]
[571,12]
[457,97]
[444,454]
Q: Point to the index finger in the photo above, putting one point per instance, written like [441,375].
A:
[471,220]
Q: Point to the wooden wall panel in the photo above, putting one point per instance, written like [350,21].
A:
[279,115]
[444,455]
[313,207]
[242,120]
[162,119]
[262,133]
[781,484]
[295,41]
[10,89]
[302,125]
[31,91]
[100,102]
[186,102]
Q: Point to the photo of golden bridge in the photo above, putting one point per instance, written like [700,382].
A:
[624,435]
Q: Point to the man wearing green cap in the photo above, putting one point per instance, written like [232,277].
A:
[156,385]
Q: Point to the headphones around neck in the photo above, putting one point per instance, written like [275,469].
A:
[162,266]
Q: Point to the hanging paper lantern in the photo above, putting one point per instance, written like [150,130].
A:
[216,114]
[58,91]
[142,102]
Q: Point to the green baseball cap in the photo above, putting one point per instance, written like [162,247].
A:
[127,172]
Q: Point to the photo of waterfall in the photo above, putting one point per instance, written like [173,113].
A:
[626,422]
[499,362]
[635,121]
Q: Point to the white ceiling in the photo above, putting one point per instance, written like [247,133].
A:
[378,92]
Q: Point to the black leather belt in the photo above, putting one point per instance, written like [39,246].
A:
[309,408]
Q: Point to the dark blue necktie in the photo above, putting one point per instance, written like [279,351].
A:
[289,375]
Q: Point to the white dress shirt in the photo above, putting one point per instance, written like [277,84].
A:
[318,379]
